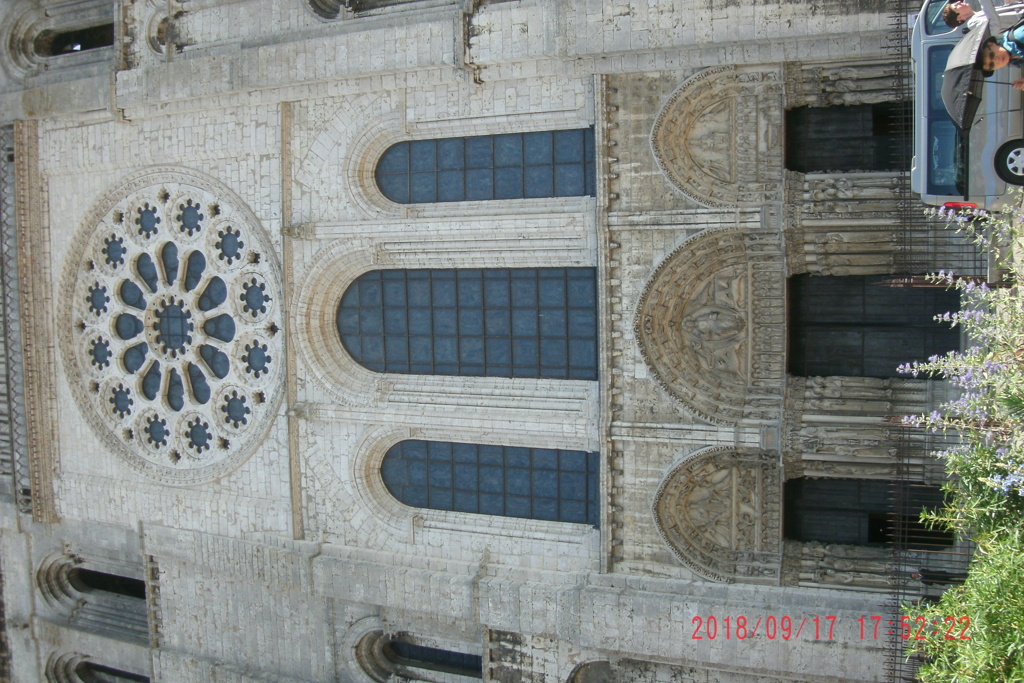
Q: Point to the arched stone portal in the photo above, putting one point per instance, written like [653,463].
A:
[719,137]
[719,512]
[711,325]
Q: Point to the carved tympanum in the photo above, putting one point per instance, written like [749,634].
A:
[710,325]
[719,137]
[719,512]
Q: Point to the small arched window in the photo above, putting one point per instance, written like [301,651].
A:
[524,322]
[89,580]
[50,43]
[90,672]
[399,657]
[409,656]
[533,483]
[514,166]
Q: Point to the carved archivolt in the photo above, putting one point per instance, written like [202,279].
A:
[719,511]
[711,325]
[719,137]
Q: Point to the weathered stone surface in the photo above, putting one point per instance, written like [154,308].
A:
[276,557]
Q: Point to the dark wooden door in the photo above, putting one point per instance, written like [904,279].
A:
[864,137]
[858,327]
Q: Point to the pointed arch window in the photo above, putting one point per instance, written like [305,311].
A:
[512,166]
[532,483]
[523,322]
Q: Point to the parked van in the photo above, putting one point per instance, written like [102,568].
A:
[948,166]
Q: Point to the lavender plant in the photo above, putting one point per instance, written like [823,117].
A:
[985,498]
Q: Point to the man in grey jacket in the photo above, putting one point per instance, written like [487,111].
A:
[960,12]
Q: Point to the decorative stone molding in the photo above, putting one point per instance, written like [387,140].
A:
[837,566]
[360,163]
[357,654]
[838,426]
[172,330]
[62,667]
[832,84]
[74,667]
[719,138]
[843,223]
[14,452]
[711,325]
[314,322]
[36,304]
[719,510]
[365,659]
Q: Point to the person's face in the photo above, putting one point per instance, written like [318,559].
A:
[963,10]
[994,57]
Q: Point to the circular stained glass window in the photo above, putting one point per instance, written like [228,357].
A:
[176,318]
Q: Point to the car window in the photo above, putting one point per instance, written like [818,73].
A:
[944,160]
[932,15]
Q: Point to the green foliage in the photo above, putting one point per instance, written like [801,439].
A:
[985,469]
[993,599]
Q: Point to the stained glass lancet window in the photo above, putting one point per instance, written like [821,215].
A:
[523,322]
[533,483]
[513,166]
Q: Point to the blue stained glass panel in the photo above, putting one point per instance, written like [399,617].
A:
[440,475]
[395,187]
[526,322]
[570,181]
[450,186]
[451,153]
[537,148]
[423,155]
[569,146]
[395,159]
[538,182]
[508,183]
[480,168]
[479,185]
[479,152]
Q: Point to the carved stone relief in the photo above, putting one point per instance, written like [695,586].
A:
[711,325]
[826,85]
[719,138]
[719,511]
[837,566]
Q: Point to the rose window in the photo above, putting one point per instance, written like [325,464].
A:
[176,330]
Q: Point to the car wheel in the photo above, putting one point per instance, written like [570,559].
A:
[1010,162]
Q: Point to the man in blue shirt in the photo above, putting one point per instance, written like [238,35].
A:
[1002,50]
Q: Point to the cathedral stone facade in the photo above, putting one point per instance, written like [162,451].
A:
[445,340]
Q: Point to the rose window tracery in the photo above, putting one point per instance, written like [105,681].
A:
[176,330]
